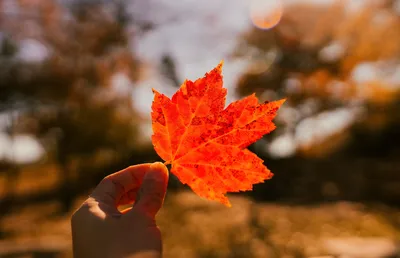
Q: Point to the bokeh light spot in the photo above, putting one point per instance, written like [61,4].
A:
[266,14]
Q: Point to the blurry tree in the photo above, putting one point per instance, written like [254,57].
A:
[329,56]
[338,65]
[78,95]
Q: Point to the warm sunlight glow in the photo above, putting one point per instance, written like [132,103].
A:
[265,14]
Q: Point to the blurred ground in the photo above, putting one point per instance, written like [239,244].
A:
[194,227]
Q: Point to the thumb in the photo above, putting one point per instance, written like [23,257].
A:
[153,189]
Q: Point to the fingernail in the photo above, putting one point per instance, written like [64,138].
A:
[153,173]
[156,164]
[152,176]
[156,169]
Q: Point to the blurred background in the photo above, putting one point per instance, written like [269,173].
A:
[75,100]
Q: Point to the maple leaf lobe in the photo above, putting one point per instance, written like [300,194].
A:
[205,143]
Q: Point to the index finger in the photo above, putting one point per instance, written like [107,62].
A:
[115,186]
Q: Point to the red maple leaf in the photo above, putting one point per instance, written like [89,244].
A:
[205,143]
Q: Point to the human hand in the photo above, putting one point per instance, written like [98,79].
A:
[100,230]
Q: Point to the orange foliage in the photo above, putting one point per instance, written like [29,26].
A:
[369,37]
[205,143]
[379,94]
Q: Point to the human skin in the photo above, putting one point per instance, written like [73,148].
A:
[100,230]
